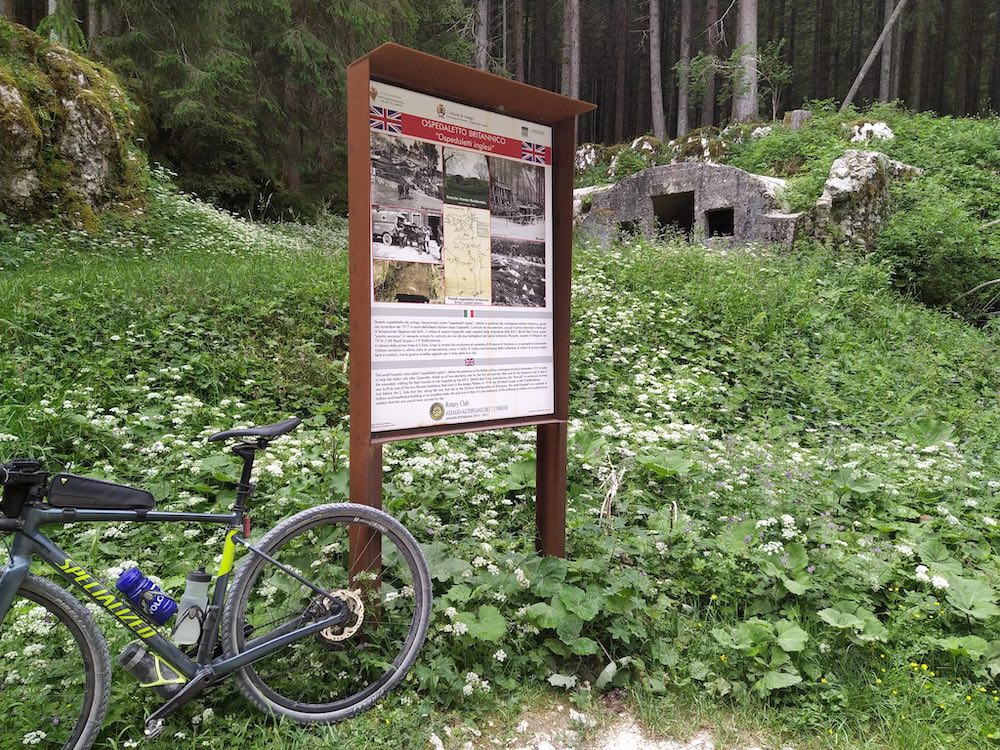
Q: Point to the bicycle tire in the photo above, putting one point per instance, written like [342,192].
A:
[264,690]
[69,612]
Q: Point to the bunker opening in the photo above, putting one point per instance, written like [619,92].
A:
[628,228]
[720,222]
[674,211]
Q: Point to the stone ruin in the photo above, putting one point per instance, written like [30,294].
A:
[719,204]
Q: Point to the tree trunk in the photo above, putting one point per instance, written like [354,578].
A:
[885,81]
[917,63]
[711,47]
[939,64]
[482,34]
[886,30]
[570,85]
[973,57]
[576,59]
[655,80]
[8,9]
[520,21]
[621,42]
[822,49]
[792,28]
[995,69]
[745,102]
[898,55]
[684,78]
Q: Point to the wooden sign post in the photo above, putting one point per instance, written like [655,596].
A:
[460,266]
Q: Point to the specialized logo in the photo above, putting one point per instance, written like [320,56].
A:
[96,591]
[437,410]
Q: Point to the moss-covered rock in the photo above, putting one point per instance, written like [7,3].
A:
[66,133]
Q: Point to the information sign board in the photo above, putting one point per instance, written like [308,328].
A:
[460,202]
[461,250]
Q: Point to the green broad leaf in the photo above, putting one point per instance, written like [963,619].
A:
[567,681]
[971,646]
[776,680]
[790,636]
[666,463]
[928,431]
[222,467]
[557,647]
[873,630]
[547,575]
[724,637]
[522,475]
[606,676]
[972,597]
[847,481]
[583,604]
[569,626]
[543,615]
[583,646]
[798,558]
[449,568]
[699,670]
[840,619]
[458,594]
[665,653]
[798,585]
[489,625]
[932,551]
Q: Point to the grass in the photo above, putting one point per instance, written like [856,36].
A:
[778,443]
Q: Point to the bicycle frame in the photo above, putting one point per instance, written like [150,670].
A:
[29,542]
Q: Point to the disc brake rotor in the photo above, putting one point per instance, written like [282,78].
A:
[352,600]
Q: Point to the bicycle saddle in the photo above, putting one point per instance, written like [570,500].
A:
[267,432]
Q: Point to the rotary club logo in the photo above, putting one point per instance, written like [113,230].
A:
[437,411]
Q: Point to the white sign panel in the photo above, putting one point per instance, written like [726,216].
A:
[461,257]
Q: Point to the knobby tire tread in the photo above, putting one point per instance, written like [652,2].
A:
[239,592]
[95,655]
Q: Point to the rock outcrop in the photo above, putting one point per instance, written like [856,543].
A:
[855,200]
[66,132]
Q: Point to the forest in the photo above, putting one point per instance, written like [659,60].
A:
[782,462]
[244,99]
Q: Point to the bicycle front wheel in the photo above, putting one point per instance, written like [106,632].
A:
[55,674]
[342,671]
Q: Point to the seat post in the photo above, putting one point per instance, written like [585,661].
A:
[246,451]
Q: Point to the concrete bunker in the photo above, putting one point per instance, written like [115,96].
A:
[711,202]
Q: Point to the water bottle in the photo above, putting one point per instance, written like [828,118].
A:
[143,594]
[150,670]
[191,610]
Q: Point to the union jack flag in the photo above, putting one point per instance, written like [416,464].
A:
[389,120]
[470,361]
[532,152]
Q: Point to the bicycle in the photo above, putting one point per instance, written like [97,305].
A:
[323,617]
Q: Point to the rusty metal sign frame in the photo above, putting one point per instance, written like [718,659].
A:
[426,74]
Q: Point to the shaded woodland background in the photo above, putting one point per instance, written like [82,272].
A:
[244,99]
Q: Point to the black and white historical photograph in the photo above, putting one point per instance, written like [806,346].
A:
[518,271]
[400,234]
[406,173]
[466,178]
[399,281]
[517,199]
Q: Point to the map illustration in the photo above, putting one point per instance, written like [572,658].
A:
[467,277]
